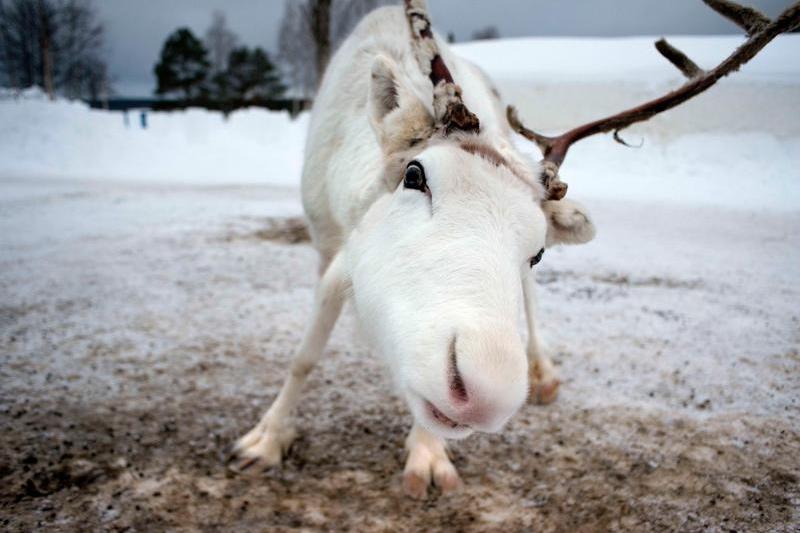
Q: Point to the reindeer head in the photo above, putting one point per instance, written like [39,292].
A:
[436,265]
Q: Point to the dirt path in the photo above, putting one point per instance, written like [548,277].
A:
[142,330]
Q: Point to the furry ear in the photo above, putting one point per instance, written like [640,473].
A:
[383,91]
[568,222]
[398,117]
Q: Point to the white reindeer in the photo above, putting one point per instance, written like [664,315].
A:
[434,235]
[432,220]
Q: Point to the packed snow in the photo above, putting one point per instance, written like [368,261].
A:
[69,141]
[147,318]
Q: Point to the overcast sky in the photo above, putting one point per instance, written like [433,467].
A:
[136,29]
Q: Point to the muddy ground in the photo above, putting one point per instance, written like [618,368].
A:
[142,330]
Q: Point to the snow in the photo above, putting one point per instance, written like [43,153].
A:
[67,140]
[733,170]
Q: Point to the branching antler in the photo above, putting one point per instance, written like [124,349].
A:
[449,110]
[761,31]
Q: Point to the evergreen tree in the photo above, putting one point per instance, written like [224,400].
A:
[219,93]
[251,74]
[183,66]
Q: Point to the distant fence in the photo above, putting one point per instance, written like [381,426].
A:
[291,105]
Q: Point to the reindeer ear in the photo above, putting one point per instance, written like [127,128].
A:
[398,117]
[383,90]
[568,222]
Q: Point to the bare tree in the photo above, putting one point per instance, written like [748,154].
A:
[8,75]
[47,29]
[295,48]
[304,42]
[55,44]
[7,43]
[319,16]
[82,72]
[19,28]
[311,30]
[220,42]
[347,13]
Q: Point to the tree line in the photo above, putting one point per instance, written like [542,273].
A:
[57,45]
[216,71]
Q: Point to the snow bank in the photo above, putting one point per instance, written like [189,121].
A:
[67,140]
[753,171]
[737,146]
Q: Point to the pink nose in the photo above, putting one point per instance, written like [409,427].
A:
[474,401]
[468,410]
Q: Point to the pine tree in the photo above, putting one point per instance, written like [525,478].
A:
[251,74]
[183,66]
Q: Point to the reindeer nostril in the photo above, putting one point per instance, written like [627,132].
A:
[457,387]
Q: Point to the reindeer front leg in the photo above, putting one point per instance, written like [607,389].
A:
[271,437]
[542,376]
[427,461]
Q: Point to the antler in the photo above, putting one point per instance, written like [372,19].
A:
[449,110]
[760,31]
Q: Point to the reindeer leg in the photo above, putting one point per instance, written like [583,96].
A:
[270,438]
[543,379]
[427,459]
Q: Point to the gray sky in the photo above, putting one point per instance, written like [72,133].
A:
[136,29]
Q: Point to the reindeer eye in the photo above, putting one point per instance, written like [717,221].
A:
[536,258]
[415,177]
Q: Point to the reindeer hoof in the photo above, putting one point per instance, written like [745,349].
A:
[446,478]
[426,465]
[416,482]
[543,380]
[259,449]
[543,392]
[415,485]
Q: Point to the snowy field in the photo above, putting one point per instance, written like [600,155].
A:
[151,294]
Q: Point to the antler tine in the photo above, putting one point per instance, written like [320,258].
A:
[449,109]
[542,141]
[749,19]
[555,148]
[681,61]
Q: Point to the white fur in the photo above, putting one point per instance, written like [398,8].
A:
[423,269]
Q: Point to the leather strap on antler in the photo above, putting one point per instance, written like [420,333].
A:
[449,110]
